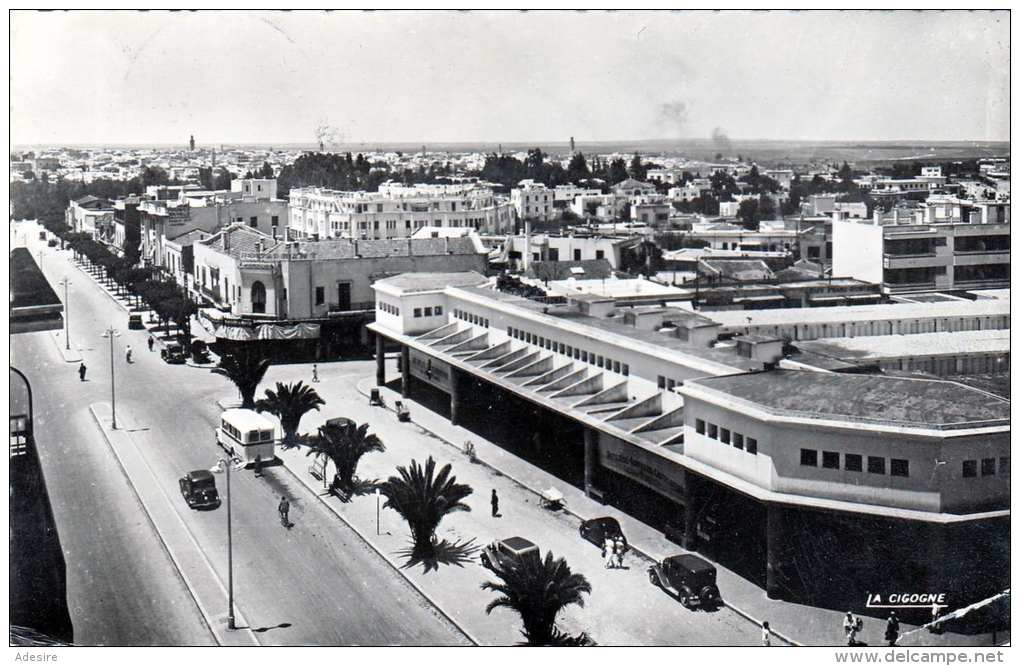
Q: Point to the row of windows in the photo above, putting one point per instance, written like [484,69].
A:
[970,467]
[434,311]
[854,462]
[726,436]
[582,355]
[669,384]
[392,309]
[471,318]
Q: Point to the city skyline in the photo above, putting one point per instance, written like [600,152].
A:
[482,77]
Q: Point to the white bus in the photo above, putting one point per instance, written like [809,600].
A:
[247,435]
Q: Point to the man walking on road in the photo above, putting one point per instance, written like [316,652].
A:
[495,504]
[81,372]
[151,342]
[284,510]
[315,372]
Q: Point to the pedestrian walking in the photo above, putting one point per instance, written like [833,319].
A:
[258,465]
[495,504]
[81,372]
[127,353]
[766,635]
[284,510]
[892,629]
[315,372]
[608,547]
[152,341]
[619,548]
[850,628]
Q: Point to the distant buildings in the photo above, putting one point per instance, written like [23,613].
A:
[396,211]
[532,201]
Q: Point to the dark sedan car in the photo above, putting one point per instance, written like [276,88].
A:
[199,489]
[597,530]
[174,353]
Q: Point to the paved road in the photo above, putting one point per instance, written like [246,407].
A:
[315,584]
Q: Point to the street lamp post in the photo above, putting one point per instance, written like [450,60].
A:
[67,316]
[223,465]
[112,333]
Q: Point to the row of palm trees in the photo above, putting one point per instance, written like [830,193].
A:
[536,589]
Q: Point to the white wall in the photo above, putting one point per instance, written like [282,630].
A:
[857,251]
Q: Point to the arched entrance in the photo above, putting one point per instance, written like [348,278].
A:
[258,297]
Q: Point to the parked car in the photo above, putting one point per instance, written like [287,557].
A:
[597,530]
[200,351]
[199,489]
[505,553]
[173,353]
[135,322]
[688,577]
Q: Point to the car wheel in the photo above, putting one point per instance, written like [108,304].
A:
[685,599]
[653,578]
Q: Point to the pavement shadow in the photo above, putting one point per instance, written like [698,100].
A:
[443,552]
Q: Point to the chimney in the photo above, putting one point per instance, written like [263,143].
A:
[226,239]
[356,248]
[410,247]
[446,244]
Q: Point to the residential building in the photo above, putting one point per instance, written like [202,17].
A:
[691,191]
[666,176]
[633,188]
[604,207]
[564,195]
[650,209]
[782,176]
[531,200]
[546,247]
[935,256]
[395,211]
[90,215]
[772,236]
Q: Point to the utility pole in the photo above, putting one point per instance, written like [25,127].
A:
[112,333]
[67,316]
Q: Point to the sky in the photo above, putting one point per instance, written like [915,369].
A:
[480,76]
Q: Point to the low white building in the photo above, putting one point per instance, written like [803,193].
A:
[532,201]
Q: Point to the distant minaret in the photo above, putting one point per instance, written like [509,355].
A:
[500,149]
[572,145]
[423,150]
[192,143]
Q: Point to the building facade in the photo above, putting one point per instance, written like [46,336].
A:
[532,201]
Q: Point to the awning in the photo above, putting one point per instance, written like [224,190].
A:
[828,298]
[291,332]
[744,299]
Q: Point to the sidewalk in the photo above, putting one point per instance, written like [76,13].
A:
[202,582]
[794,623]
[71,355]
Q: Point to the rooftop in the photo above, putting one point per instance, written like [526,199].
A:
[737,269]
[346,248]
[416,282]
[919,344]
[239,239]
[783,316]
[876,398]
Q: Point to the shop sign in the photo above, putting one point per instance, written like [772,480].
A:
[430,370]
[655,472]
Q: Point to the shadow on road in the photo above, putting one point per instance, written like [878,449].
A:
[444,552]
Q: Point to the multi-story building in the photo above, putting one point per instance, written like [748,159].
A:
[650,209]
[782,176]
[532,201]
[944,254]
[396,211]
[543,247]
[667,176]
[564,195]
[691,191]
[246,272]
[633,188]
[758,468]
[600,206]
[90,215]
[773,236]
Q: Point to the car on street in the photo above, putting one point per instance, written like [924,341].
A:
[689,578]
[505,553]
[135,322]
[199,489]
[173,353]
[597,530]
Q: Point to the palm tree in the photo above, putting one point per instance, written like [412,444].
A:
[289,403]
[423,498]
[538,590]
[246,369]
[344,444]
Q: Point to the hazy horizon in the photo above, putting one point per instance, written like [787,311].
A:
[459,77]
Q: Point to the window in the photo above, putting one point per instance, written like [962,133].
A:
[852,462]
[713,431]
[320,296]
[258,297]
[876,465]
[724,435]
[599,254]
[417,312]
[670,384]
[988,467]
[438,310]
[662,382]
[899,467]
[1004,466]
[626,370]
[600,361]
[428,312]
[253,221]
[616,367]
[699,426]
[738,440]
[969,468]
[830,460]
[809,457]
[752,446]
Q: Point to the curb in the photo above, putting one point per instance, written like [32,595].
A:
[166,547]
[381,554]
[70,356]
[643,553]
[101,287]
